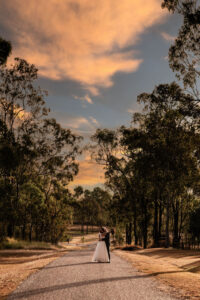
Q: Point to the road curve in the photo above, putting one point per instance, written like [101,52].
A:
[75,277]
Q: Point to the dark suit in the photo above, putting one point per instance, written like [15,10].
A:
[107,241]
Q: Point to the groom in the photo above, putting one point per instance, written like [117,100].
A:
[107,240]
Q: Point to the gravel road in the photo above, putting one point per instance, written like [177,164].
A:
[75,277]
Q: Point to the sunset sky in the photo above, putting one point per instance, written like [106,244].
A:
[94,58]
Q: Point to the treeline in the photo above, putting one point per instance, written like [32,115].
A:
[91,207]
[152,167]
[37,158]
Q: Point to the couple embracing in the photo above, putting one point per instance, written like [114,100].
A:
[102,251]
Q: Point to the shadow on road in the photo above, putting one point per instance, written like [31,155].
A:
[63,266]
[82,283]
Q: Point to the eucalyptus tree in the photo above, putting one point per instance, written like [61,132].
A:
[21,107]
[174,141]
[31,208]
[184,54]
[43,152]
[119,176]
[138,144]
[21,104]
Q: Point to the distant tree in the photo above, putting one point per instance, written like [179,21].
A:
[92,207]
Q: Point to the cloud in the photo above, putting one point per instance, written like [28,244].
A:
[167,37]
[81,40]
[90,173]
[94,121]
[86,98]
[78,124]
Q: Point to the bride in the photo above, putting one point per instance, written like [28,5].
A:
[101,253]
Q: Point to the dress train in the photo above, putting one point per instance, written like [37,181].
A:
[100,253]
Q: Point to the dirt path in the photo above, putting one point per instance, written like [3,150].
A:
[74,277]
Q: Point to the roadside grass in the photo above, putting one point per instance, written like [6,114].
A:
[176,268]
[12,244]
[19,259]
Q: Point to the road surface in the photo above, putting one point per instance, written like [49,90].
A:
[75,277]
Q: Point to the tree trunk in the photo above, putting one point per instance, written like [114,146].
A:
[167,226]
[160,220]
[37,233]
[176,240]
[30,233]
[10,230]
[145,234]
[130,233]
[155,227]
[135,228]
[145,227]
[82,228]
[127,234]
[24,231]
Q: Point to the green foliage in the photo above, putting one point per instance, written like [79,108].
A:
[152,166]
[17,244]
[91,207]
[119,237]
[37,160]
[184,54]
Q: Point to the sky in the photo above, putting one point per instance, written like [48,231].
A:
[94,59]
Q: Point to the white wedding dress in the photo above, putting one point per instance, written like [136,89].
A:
[100,253]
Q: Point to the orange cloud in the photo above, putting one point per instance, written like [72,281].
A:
[82,40]
[90,173]
[79,124]
[22,114]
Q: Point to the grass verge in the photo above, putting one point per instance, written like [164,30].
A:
[11,243]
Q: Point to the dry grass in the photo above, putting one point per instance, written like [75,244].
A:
[16,265]
[11,243]
[179,269]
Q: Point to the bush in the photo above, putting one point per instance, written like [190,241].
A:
[11,243]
